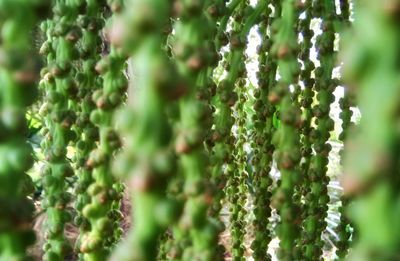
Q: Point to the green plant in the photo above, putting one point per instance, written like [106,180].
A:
[262,136]
[103,210]
[374,183]
[345,103]
[88,134]
[60,89]
[306,101]
[287,138]
[222,120]
[218,167]
[318,197]
[194,54]
[236,185]
[148,156]
[18,89]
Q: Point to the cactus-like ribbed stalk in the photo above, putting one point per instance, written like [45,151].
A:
[371,66]
[18,82]
[60,89]
[287,138]
[149,160]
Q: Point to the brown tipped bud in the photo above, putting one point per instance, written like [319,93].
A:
[194,63]
[274,98]
[182,146]
[213,10]
[283,51]
[72,36]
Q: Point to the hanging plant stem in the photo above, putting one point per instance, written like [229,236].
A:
[346,102]
[88,134]
[18,89]
[287,138]
[194,54]
[60,90]
[317,196]
[148,161]
[105,191]
[264,130]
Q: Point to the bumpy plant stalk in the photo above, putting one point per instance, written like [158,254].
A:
[59,86]
[221,117]
[372,157]
[220,137]
[87,133]
[344,11]
[343,229]
[225,99]
[307,95]
[148,157]
[104,191]
[307,99]
[18,82]
[345,103]
[225,12]
[287,137]
[262,136]
[116,58]
[236,185]
[194,54]
[317,198]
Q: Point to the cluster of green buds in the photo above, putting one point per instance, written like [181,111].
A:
[105,192]
[287,138]
[19,76]
[149,157]
[90,49]
[263,132]
[371,161]
[60,87]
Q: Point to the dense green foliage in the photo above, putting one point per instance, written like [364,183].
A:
[213,126]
